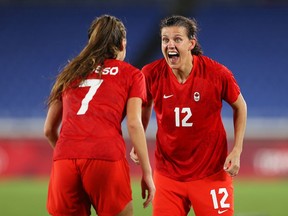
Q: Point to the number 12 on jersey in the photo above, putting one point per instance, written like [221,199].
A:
[184,121]
[222,201]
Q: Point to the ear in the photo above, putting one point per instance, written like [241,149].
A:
[193,44]
[123,45]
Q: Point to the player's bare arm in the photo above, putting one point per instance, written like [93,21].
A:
[138,139]
[53,121]
[232,163]
[146,115]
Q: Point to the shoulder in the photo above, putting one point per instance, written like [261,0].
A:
[121,68]
[155,64]
[126,65]
[211,65]
[155,67]
[209,62]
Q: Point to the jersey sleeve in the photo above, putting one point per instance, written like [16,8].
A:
[231,89]
[138,88]
[146,70]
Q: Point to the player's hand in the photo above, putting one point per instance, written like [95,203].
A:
[232,163]
[147,184]
[134,156]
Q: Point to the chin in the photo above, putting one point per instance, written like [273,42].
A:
[174,67]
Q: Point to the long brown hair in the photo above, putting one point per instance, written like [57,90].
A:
[189,24]
[105,37]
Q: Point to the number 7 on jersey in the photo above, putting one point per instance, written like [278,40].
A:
[94,84]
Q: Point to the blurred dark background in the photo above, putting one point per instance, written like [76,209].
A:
[37,38]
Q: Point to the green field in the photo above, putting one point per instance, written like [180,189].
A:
[27,197]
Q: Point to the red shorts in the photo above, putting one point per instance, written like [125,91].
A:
[209,196]
[77,183]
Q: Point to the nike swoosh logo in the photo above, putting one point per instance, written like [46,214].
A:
[167,96]
[221,212]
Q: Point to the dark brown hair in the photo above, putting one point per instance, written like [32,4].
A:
[105,37]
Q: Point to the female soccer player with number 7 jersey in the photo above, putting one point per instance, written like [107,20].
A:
[193,167]
[90,98]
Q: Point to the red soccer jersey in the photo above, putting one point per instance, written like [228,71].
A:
[191,140]
[93,112]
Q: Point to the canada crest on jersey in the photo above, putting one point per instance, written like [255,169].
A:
[196,96]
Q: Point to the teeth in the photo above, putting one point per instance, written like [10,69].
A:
[172,53]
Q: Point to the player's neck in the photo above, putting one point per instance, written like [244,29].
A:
[183,73]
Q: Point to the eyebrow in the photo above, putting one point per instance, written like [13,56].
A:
[177,34]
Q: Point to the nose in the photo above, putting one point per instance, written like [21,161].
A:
[171,44]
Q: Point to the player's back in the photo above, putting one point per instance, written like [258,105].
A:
[93,112]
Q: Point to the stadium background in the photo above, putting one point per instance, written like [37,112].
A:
[37,38]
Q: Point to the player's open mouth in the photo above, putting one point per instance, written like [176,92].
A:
[173,56]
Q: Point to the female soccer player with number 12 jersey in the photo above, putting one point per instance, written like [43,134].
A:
[193,168]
